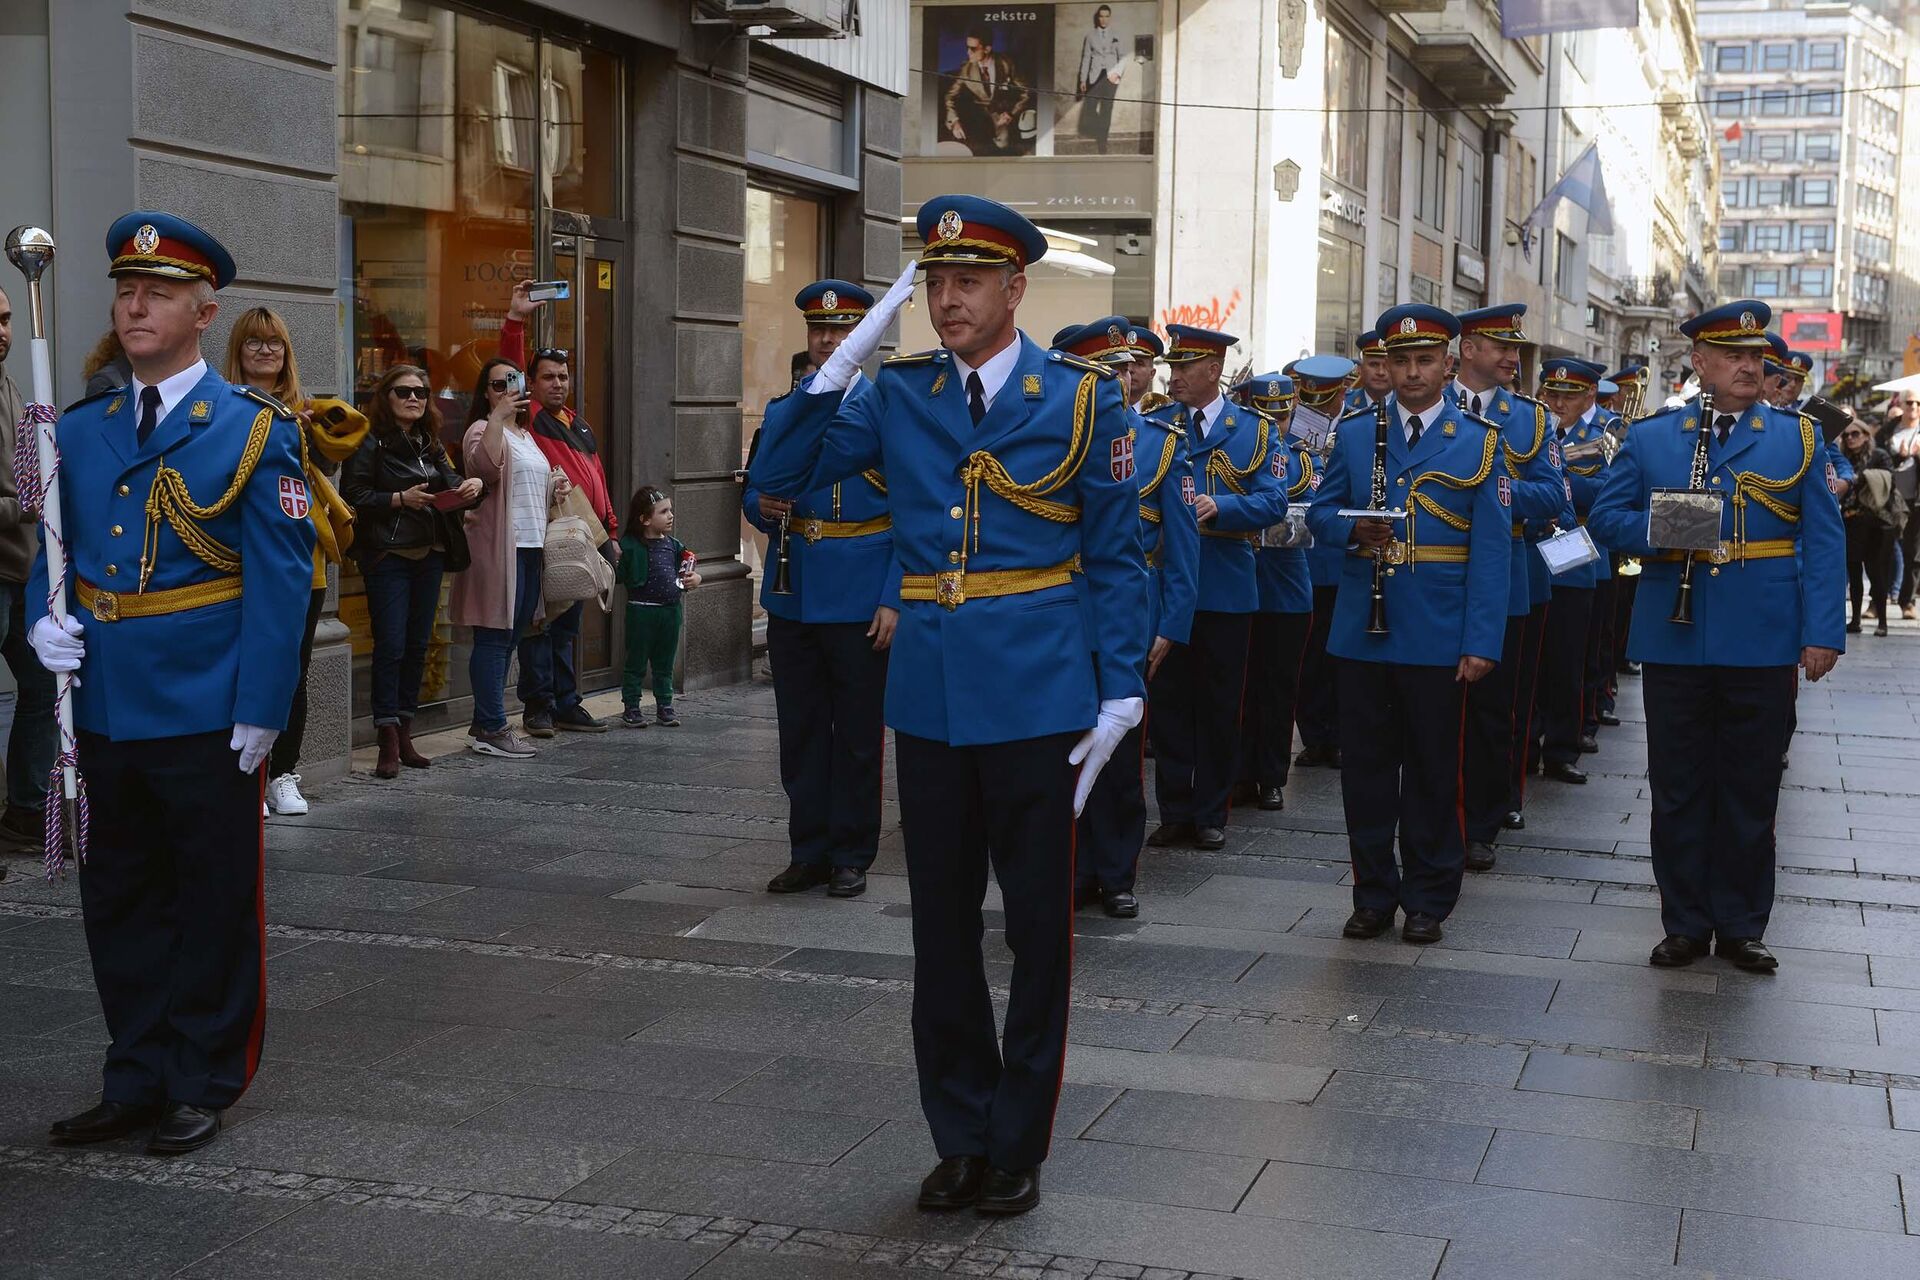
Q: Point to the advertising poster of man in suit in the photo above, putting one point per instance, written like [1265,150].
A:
[1105,49]
[993,86]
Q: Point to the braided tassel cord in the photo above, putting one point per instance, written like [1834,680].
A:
[33,492]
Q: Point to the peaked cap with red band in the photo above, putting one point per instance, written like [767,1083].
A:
[151,243]
[1501,323]
[972,229]
[1737,324]
[1111,340]
[1185,344]
[1415,324]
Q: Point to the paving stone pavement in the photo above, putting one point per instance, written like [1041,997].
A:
[539,1019]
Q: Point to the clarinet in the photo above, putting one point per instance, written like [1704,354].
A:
[782,581]
[1377,500]
[1696,481]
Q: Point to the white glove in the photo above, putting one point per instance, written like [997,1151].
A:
[58,646]
[253,743]
[1097,745]
[858,346]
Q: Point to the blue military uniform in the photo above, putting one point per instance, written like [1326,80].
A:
[1719,689]
[1013,494]
[1318,382]
[1499,705]
[1196,694]
[1562,703]
[1285,613]
[1444,584]
[1114,823]
[1369,345]
[829,682]
[190,543]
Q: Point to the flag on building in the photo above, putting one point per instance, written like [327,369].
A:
[1732,133]
[1521,18]
[1583,185]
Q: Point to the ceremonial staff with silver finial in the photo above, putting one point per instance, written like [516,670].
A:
[35,467]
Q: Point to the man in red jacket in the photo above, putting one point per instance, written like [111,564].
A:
[549,693]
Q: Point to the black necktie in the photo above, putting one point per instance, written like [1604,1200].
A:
[1722,425]
[149,414]
[976,398]
[1413,430]
[1200,425]
[1476,406]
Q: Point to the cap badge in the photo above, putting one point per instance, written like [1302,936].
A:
[1273,390]
[1117,338]
[1133,339]
[146,239]
[830,300]
[950,225]
[1747,321]
[1409,325]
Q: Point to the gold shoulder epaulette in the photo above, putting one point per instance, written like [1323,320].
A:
[110,391]
[1524,398]
[261,397]
[914,357]
[1151,402]
[1357,413]
[1083,364]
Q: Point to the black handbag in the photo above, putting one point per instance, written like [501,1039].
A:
[453,532]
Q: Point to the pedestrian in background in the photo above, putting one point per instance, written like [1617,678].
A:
[1873,514]
[404,546]
[106,367]
[656,569]
[1904,448]
[499,594]
[260,354]
[32,741]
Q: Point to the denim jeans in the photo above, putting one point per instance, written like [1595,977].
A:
[402,597]
[493,646]
[546,662]
[34,739]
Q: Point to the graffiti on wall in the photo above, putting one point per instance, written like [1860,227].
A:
[1211,314]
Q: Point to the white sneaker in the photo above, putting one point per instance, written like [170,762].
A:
[283,795]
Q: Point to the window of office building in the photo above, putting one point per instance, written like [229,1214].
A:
[1768,192]
[1816,191]
[460,137]
[1877,117]
[1768,236]
[1814,237]
[1730,282]
[1732,236]
[1470,177]
[1341,310]
[1566,280]
[1824,102]
[1729,102]
[1765,282]
[1823,55]
[1430,170]
[1734,193]
[1396,134]
[1776,57]
[1344,132]
[1812,281]
[1731,57]
[1773,146]
[1776,102]
[1819,146]
[1868,247]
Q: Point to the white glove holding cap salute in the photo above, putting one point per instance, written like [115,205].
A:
[859,345]
[1097,745]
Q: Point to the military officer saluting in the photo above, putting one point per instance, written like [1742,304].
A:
[1015,669]
[1114,822]
[827,635]
[189,553]
[1568,387]
[1720,630]
[1285,615]
[1372,383]
[1196,695]
[1319,382]
[1490,343]
[1420,615]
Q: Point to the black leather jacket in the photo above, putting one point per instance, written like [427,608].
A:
[387,463]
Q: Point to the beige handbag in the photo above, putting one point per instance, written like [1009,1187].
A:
[573,568]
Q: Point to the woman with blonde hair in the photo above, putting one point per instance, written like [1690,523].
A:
[260,352]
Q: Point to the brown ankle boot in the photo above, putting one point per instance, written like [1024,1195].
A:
[389,764]
[409,754]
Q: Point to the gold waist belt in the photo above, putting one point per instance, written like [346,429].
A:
[1401,553]
[814,530]
[957,586]
[1766,549]
[111,606]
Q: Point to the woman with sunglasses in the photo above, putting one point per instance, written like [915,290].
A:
[401,543]
[499,594]
[260,352]
[1872,511]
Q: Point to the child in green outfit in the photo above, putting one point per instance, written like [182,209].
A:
[656,569]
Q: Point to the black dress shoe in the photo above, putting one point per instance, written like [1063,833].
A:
[1677,950]
[1009,1191]
[1310,756]
[1171,835]
[1564,773]
[1479,856]
[1365,922]
[1420,929]
[1120,904]
[954,1183]
[1209,838]
[1608,719]
[847,882]
[798,878]
[183,1128]
[1746,953]
[1589,743]
[1514,821]
[104,1121]
[1271,800]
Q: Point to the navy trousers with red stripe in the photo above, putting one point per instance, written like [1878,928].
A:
[1490,737]
[829,690]
[1113,826]
[1011,804]
[1266,708]
[1524,758]
[171,895]
[1400,747]
[1563,673]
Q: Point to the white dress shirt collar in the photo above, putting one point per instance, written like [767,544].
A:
[172,390]
[1428,416]
[994,373]
[1214,412]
